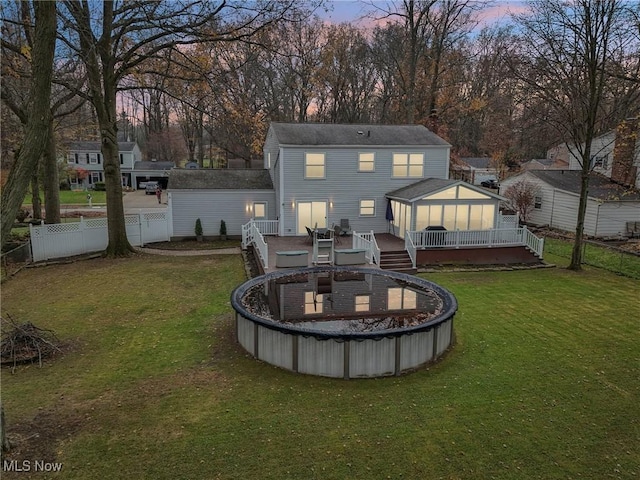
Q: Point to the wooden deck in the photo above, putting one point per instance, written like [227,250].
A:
[386,242]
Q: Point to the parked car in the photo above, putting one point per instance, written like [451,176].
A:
[150,188]
[490,183]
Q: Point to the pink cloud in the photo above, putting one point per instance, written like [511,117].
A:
[501,12]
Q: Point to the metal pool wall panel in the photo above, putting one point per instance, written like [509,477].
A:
[321,357]
[443,336]
[275,347]
[370,358]
[245,330]
[416,349]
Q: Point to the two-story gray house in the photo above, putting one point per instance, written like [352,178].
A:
[87,157]
[323,173]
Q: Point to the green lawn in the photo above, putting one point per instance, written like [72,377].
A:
[68,197]
[543,382]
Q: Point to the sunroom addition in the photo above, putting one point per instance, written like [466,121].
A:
[452,204]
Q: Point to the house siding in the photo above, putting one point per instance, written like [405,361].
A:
[560,210]
[601,146]
[212,206]
[537,216]
[344,186]
[613,216]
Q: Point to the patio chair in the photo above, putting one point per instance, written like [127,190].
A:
[337,231]
[310,233]
[345,228]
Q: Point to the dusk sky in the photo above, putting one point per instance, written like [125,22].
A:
[353,10]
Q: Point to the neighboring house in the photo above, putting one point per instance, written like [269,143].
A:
[478,169]
[233,195]
[135,173]
[615,154]
[545,164]
[610,205]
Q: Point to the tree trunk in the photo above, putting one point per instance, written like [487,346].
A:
[37,130]
[36,205]
[4,441]
[119,245]
[576,252]
[51,182]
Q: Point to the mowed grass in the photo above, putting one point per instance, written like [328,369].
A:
[542,383]
[73,197]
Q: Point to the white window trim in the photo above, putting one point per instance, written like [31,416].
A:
[253,206]
[360,207]
[324,166]
[373,162]
[406,166]
[93,159]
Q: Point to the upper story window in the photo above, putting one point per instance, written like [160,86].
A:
[366,162]
[94,158]
[314,165]
[408,165]
[599,162]
[72,158]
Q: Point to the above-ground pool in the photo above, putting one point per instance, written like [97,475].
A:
[344,322]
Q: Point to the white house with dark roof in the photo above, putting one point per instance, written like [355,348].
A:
[135,173]
[610,207]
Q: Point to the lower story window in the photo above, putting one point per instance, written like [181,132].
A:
[95,177]
[367,208]
[259,210]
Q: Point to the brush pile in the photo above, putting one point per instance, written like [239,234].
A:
[21,343]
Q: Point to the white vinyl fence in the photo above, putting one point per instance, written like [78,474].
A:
[90,235]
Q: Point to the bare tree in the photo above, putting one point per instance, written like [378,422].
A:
[521,196]
[123,36]
[566,49]
[39,118]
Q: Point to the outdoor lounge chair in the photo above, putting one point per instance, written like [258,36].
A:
[345,228]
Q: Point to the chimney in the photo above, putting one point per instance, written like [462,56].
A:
[623,171]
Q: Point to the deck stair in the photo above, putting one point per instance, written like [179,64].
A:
[397,260]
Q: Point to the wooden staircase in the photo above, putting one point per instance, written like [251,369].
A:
[397,260]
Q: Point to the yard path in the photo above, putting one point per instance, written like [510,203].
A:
[189,253]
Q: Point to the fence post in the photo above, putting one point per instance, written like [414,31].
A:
[141,227]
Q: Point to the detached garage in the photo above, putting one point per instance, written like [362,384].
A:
[610,205]
[233,195]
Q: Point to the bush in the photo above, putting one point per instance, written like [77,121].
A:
[22,215]
[198,228]
[99,186]
[223,228]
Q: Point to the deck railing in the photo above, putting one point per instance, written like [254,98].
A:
[475,238]
[367,242]
[251,235]
[410,247]
[265,227]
